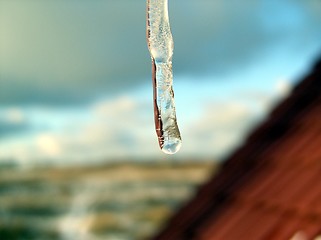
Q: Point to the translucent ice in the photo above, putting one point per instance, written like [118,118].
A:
[161,45]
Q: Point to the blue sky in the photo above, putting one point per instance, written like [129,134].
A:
[75,81]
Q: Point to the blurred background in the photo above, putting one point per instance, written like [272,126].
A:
[79,157]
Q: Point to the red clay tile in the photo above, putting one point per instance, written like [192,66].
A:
[270,188]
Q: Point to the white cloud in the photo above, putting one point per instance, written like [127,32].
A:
[283,87]
[48,145]
[223,124]
[116,128]
[14,116]
[123,128]
[220,127]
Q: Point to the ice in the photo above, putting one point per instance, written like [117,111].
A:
[161,45]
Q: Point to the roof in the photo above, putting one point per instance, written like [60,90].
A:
[270,188]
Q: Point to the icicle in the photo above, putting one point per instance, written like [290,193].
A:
[160,45]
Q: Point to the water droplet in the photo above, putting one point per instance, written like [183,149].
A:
[172,146]
[161,45]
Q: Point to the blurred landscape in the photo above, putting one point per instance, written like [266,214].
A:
[114,201]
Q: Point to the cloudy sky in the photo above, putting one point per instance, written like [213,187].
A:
[75,81]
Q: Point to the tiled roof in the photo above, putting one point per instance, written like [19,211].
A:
[269,189]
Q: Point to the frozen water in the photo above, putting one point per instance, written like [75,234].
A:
[161,45]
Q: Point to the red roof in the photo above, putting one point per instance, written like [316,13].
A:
[269,189]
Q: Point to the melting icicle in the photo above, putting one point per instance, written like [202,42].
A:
[160,45]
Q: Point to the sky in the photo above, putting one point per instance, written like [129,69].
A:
[75,76]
